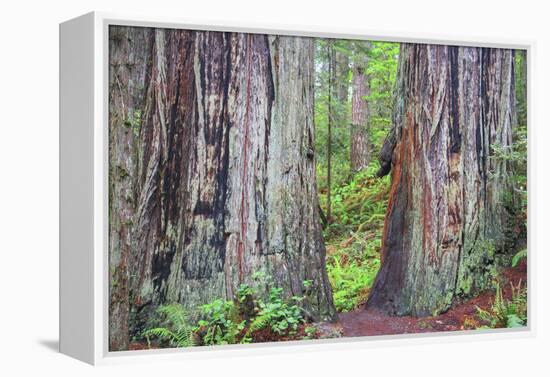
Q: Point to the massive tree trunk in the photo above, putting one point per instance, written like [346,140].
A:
[224,181]
[359,135]
[128,52]
[446,216]
[295,250]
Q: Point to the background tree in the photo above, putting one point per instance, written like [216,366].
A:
[446,215]
[330,120]
[381,70]
[359,135]
[521,85]
[358,200]
[517,156]
[336,62]
[341,80]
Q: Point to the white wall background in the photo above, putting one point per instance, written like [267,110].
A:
[29,184]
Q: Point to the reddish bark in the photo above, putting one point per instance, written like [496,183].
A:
[447,216]
[224,183]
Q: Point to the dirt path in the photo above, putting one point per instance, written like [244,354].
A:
[368,322]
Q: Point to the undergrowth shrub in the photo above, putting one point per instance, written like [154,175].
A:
[281,317]
[351,282]
[506,313]
[251,316]
[220,323]
[174,329]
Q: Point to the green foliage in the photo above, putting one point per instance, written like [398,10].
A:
[506,313]
[340,112]
[233,321]
[514,198]
[516,156]
[521,85]
[358,200]
[354,237]
[360,203]
[281,317]
[351,281]
[518,257]
[134,122]
[311,332]
[381,73]
[237,321]
[220,323]
[175,330]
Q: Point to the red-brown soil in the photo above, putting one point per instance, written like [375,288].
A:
[138,346]
[368,322]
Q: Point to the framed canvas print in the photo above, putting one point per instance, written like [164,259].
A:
[224,187]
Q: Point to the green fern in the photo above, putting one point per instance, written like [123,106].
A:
[519,256]
[220,323]
[176,330]
[258,323]
[282,317]
[506,313]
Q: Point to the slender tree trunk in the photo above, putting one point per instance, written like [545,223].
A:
[225,173]
[521,86]
[330,118]
[129,49]
[446,216]
[341,82]
[359,135]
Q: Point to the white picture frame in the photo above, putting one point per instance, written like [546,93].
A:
[84,189]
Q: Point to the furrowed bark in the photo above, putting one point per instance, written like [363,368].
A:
[225,180]
[341,82]
[446,216]
[359,146]
[147,215]
[294,229]
[196,274]
[127,62]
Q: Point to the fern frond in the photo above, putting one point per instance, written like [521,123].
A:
[175,314]
[519,256]
[161,333]
[177,330]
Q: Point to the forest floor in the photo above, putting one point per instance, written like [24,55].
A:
[371,322]
[461,316]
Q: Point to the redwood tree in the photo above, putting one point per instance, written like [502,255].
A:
[359,135]
[128,53]
[447,212]
[223,180]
